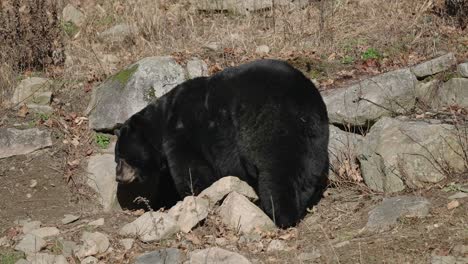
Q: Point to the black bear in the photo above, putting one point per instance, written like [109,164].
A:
[263,122]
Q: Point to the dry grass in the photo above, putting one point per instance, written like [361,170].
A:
[404,32]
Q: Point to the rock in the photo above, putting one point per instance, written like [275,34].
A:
[31,244]
[394,150]
[67,247]
[434,66]
[90,260]
[68,218]
[189,212]
[162,256]
[222,187]
[44,232]
[458,195]
[93,243]
[386,214]
[35,92]
[19,142]
[216,255]
[196,68]
[342,148]
[29,226]
[33,183]
[262,50]
[98,222]
[118,34]
[22,261]
[240,214]
[452,92]
[309,256]
[130,90]
[213,46]
[4,242]
[71,14]
[276,245]
[127,243]
[371,99]
[443,260]
[425,92]
[101,177]
[151,226]
[246,6]
[45,258]
[460,250]
[463,69]
[342,244]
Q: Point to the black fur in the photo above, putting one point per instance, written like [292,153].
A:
[264,122]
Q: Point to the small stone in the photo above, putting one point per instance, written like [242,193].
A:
[224,186]
[443,260]
[262,50]
[213,46]
[458,195]
[67,247]
[98,222]
[45,258]
[460,250]
[240,214]
[189,212]
[309,256]
[127,243]
[385,215]
[31,244]
[71,14]
[118,34]
[4,242]
[90,260]
[196,68]
[151,226]
[33,184]
[30,226]
[276,245]
[167,255]
[463,69]
[28,195]
[93,243]
[69,219]
[342,244]
[221,241]
[44,232]
[453,204]
[216,255]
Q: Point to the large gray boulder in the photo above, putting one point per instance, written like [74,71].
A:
[452,92]
[130,90]
[19,142]
[399,153]
[367,101]
[434,66]
[216,255]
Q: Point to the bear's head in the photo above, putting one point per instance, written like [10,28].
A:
[136,157]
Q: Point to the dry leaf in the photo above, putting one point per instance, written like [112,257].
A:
[23,111]
[453,204]
[193,238]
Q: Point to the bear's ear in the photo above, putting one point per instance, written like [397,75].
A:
[117,132]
